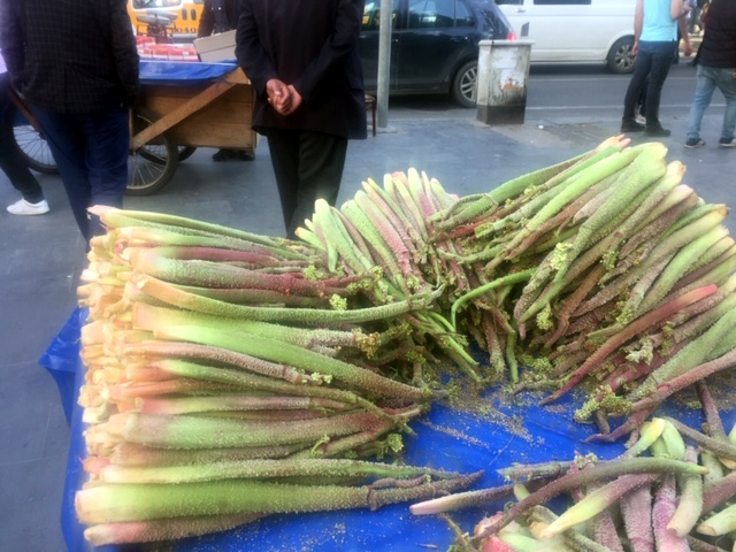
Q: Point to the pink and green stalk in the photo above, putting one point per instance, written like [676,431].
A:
[163,529]
[657,316]
[195,351]
[167,293]
[126,503]
[234,402]
[131,454]
[592,474]
[665,504]
[197,432]
[277,351]
[690,503]
[636,511]
[264,469]
[717,446]
[597,501]
[722,523]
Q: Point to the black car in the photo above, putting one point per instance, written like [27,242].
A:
[434,46]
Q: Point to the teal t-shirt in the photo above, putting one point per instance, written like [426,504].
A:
[658,24]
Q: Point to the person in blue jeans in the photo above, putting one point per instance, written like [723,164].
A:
[77,66]
[716,69]
[13,165]
[655,36]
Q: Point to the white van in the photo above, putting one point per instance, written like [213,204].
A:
[576,31]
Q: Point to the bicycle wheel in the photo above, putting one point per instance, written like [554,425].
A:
[152,165]
[31,146]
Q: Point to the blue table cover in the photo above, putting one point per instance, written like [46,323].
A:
[446,438]
[181,73]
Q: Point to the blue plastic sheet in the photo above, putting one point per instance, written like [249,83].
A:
[181,73]
[447,438]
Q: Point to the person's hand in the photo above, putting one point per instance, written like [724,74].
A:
[635,47]
[687,49]
[296,100]
[278,95]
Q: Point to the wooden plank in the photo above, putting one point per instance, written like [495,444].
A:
[194,104]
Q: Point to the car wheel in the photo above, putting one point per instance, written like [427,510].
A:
[465,84]
[620,59]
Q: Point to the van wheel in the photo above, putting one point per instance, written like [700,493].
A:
[465,84]
[620,59]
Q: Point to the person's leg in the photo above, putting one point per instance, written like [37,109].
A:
[638,80]
[727,85]
[660,67]
[11,162]
[704,86]
[66,142]
[283,146]
[107,139]
[321,163]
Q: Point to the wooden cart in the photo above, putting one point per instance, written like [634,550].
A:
[170,121]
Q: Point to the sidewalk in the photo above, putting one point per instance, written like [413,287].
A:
[43,258]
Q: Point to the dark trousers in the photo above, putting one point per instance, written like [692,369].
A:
[308,166]
[652,65]
[91,151]
[11,161]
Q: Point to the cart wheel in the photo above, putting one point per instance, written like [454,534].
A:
[185,152]
[151,166]
[31,146]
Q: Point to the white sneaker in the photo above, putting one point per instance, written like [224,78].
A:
[23,207]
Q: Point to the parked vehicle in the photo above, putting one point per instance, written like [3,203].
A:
[576,31]
[434,45]
[166,20]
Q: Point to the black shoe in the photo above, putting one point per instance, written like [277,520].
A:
[630,125]
[657,131]
[727,143]
[693,143]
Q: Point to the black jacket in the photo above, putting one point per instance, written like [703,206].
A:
[314,46]
[718,48]
[207,21]
[70,56]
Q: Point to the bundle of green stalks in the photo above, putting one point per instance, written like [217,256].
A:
[231,376]
[604,271]
[678,498]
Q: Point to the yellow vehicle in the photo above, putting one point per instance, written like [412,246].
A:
[166,20]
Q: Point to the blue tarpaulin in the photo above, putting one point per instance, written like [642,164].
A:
[446,438]
[181,72]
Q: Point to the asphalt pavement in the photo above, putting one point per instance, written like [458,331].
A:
[43,256]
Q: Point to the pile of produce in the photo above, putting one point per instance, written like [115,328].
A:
[675,500]
[232,367]
[226,373]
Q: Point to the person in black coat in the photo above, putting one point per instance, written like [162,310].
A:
[76,64]
[303,61]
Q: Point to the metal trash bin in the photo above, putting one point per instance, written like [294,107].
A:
[503,74]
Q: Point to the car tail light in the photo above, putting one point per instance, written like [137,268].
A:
[512,36]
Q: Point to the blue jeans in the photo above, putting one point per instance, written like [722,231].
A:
[653,62]
[708,79]
[91,152]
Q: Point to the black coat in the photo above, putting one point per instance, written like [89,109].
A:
[207,21]
[313,46]
[718,48]
[70,56]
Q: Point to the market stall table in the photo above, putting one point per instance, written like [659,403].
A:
[447,438]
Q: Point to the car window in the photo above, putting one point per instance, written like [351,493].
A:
[431,13]
[463,16]
[514,2]
[372,15]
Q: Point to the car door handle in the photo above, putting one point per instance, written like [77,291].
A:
[520,10]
